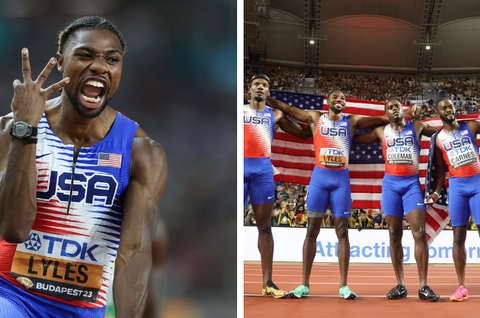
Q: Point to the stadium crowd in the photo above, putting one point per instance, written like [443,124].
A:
[463,91]
[290,211]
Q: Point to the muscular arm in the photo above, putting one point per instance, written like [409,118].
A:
[440,170]
[18,185]
[298,114]
[134,260]
[370,137]
[424,129]
[360,122]
[18,178]
[474,127]
[291,127]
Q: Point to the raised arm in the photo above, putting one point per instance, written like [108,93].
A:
[362,122]
[148,180]
[440,175]
[291,127]
[18,178]
[424,129]
[474,127]
[370,137]
[298,114]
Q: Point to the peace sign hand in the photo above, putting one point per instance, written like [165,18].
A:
[29,97]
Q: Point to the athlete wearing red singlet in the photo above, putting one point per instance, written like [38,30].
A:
[329,184]
[456,146]
[401,192]
[259,124]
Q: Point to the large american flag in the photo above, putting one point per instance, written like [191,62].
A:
[294,158]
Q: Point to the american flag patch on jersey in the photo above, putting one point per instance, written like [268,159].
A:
[109,160]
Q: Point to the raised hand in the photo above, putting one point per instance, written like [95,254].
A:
[29,97]
[412,112]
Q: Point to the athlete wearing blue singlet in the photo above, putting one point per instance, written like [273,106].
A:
[456,146]
[259,125]
[80,186]
[402,193]
[330,182]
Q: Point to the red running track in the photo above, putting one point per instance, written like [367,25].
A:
[371,282]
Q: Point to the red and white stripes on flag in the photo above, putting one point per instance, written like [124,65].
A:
[294,158]
[109,160]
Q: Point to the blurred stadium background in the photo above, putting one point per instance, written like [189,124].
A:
[179,84]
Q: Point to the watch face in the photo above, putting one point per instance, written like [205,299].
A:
[20,129]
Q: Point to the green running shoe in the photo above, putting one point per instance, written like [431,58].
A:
[299,292]
[346,293]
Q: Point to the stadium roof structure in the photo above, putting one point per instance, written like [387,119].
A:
[365,35]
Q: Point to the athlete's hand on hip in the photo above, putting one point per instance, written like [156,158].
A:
[29,97]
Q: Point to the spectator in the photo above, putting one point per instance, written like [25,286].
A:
[250,217]
[284,217]
[300,217]
[364,221]
[275,213]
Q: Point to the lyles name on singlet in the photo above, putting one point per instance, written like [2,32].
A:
[69,268]
[333,157]
[460,151]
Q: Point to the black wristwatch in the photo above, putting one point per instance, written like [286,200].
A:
[23,131]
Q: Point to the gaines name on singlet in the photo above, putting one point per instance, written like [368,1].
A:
[400,150]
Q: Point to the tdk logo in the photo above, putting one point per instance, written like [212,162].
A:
[333,131]
[407,141]
[33,243]
[256,120]
[457,143]
[87,189]
[332,152]
[74,248]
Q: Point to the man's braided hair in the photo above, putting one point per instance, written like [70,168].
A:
[88,22]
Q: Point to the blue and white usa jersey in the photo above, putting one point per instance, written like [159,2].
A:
[76,234]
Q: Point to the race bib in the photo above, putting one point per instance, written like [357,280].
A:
[54,265]
[462,156]
[331,157]
[400,155]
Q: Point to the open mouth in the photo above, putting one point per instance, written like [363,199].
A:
[92,93]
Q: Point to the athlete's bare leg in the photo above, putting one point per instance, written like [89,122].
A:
[310,247]
[395,230]
[341,229]
[263,216]
[459,255]
[417,219]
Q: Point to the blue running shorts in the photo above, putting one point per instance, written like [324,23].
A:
[401,194]
[330,187]
[18,303]
[464,199]
[258,180]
